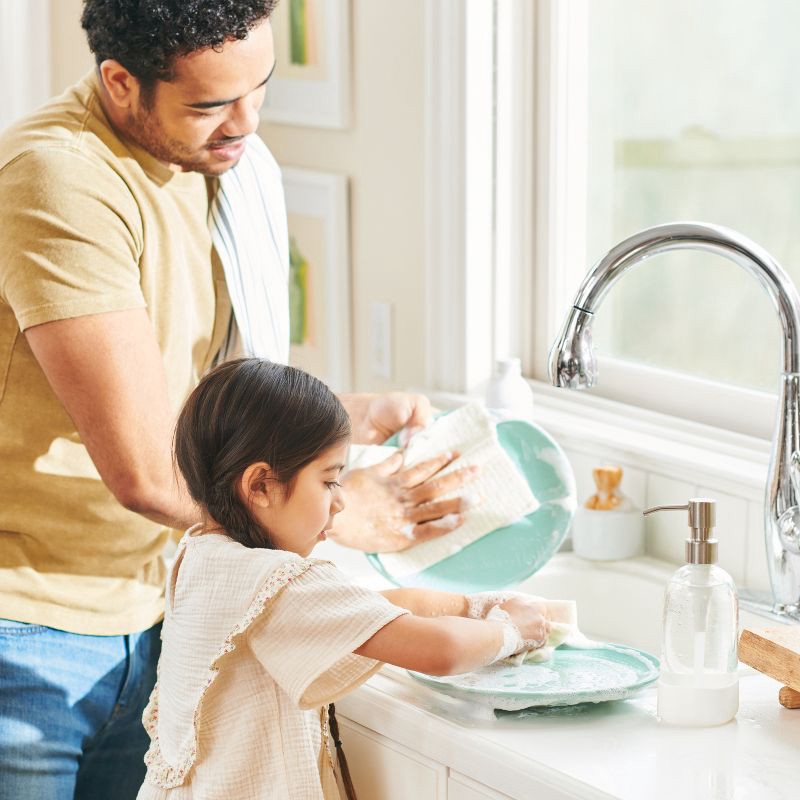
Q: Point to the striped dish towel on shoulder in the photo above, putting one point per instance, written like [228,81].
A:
[248,227]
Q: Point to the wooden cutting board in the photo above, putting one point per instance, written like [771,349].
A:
[775,652]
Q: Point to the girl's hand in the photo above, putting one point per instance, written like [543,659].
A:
[479,604]
[532,619]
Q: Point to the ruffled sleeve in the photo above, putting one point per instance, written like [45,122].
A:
[306,636]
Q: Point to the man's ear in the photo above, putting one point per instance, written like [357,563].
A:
[122,88]
[253,486]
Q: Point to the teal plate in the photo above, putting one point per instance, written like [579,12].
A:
[509,555]
[573,675]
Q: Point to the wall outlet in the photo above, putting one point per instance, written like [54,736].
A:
[380,340]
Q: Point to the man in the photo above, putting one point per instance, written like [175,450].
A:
[112,304]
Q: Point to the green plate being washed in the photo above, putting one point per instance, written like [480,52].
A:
[593,674]
[508,555]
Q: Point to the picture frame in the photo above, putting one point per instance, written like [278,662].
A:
[319,275]
[311,83]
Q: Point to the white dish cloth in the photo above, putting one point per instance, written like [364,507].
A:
[563,630]
[502,493]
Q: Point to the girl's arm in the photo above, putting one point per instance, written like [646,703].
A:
[450,645]
[428,602]
[431,603]
[436,646]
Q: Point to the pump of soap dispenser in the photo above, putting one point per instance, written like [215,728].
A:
[699,684]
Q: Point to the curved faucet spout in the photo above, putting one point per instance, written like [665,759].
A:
[572,365]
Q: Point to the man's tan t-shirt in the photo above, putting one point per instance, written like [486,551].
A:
[90,224]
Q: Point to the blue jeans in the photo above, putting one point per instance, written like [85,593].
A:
[71,712]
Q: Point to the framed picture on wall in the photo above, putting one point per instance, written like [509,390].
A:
[319,275]
[311,83]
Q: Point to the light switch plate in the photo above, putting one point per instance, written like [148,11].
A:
[380,340]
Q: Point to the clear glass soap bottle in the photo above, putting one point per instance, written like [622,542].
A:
[699,684]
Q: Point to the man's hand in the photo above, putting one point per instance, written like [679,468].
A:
[390,508]
[376,417]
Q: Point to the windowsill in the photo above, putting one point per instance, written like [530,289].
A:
[668,445]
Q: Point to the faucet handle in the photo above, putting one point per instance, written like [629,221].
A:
[794,473]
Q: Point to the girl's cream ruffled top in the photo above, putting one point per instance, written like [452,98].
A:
[256,643]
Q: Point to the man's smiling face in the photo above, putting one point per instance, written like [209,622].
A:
[198,120]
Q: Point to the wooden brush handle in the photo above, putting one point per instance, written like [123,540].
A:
[789,698]
[607,480]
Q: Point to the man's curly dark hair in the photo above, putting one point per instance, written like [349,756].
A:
[146,36]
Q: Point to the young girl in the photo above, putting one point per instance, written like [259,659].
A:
[258,638]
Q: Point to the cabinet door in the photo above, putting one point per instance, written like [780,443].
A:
[460,787]
[384,770]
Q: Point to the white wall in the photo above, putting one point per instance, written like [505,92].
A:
[24,57]
[740,521]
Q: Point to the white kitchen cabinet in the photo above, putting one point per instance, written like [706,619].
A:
[459,787]
[384,770]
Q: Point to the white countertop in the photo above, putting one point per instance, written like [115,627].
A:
[611,750]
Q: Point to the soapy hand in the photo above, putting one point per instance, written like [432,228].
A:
[479,604]
[532,619]
[391,507]
[528,613]
[525,626]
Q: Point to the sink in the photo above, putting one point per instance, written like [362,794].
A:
[621,601]
[618,601]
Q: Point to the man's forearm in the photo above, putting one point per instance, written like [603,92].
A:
[171,506]
[357,407]
[118,398]
[375,417]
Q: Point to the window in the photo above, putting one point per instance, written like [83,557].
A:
[649,113]
[695,121]
[609,117]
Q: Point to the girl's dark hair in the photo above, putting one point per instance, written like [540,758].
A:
[246,411]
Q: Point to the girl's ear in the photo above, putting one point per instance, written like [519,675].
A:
[253,486]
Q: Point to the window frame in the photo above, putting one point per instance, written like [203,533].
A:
[562,142]
[516,305]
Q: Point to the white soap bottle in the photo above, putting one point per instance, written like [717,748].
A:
[699,685]
[508,393]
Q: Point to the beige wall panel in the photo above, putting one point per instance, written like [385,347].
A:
[70,56]
[382,153]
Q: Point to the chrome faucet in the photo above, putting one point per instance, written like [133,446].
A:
[573,365]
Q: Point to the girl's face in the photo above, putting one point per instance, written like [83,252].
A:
[296,523]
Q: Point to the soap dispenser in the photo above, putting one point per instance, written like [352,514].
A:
[508,394]
[699,685]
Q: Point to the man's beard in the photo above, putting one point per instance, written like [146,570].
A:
[146,131]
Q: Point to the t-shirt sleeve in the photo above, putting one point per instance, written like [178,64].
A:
[306,636]
[72,237]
